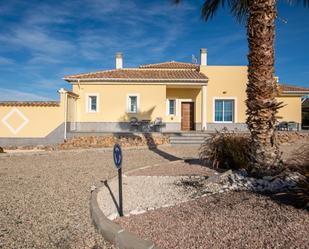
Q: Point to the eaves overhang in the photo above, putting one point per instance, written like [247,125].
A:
[293,93]
[117,81]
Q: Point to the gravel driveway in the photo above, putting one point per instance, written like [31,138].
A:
[45,198]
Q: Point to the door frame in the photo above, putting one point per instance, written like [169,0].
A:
[180,110]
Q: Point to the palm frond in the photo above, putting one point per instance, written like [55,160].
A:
[240,9]
[210,8]
[304,2]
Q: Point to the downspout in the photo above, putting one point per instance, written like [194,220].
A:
[65,115]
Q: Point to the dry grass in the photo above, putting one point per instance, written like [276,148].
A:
[300,162]
[226,150]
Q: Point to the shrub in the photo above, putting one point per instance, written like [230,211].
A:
[300,163]
[226,150]
[302,192]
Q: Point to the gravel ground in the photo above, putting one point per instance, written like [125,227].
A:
[139,185]
[45,198]
[141,193]
[229,220]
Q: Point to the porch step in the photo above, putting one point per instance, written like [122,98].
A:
[196,139]
[200,134]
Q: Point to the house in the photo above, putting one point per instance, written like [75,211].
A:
[185,96]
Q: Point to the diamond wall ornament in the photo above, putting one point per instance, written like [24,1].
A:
[6,120]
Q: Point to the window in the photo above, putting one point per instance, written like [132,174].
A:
[92,103]
[224,110]
[132,103]
[171,107]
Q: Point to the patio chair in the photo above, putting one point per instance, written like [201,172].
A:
[134,124]
[157,124]
[283,126]
[145,125]
[292,126]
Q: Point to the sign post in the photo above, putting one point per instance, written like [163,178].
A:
[117,155]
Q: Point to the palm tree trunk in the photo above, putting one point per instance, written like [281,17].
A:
[262,106]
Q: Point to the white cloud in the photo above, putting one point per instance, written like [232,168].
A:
[49,15]
[16,95]
[39,59]
[220,42]
[37,40]
[84,35]
[150,29]
[125,26]
[6,61]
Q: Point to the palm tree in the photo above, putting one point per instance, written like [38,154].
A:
[262,105]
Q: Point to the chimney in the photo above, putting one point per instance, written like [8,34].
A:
[276,79]
[203,57]
[119,61]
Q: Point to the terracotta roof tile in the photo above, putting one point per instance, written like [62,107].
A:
[30,103]
[172,65]
[143,74]
[291,88]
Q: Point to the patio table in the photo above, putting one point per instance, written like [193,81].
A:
[145,125]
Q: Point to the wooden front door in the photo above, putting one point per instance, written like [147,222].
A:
[187,116]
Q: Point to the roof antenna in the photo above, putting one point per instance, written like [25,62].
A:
[194,60]
[284,20]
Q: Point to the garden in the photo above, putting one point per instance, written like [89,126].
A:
[216,200]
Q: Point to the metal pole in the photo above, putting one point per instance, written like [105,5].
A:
[120,191]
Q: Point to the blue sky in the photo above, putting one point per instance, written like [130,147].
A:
[41,41]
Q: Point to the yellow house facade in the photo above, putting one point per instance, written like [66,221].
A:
[177,96]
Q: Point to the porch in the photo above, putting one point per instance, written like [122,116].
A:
[170,108]
[185,108]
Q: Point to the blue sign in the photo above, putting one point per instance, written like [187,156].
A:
[117,156]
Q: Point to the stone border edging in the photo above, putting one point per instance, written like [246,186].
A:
[150,166]
[103,149]
[113,232]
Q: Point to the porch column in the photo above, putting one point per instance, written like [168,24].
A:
[204,113]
